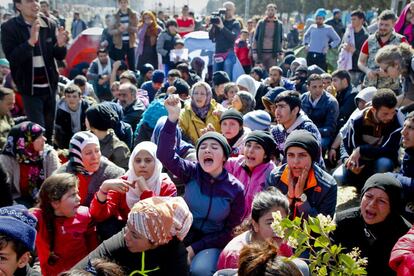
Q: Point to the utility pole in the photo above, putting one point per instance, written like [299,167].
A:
[246,10]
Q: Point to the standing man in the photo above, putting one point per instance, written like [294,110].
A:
[355,36]
[267,44]
[385,35]
[185,22]
[32,45]
[45,9]
[78,25]
[224,34]
[124,33]
[318,39]
[336,22]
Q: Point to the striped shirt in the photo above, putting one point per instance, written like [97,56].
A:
[124,20]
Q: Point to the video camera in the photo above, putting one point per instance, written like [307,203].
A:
[215,16]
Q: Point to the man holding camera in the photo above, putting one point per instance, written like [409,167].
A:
[224,32]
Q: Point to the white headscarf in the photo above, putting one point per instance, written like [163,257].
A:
[248,82]
[153,183]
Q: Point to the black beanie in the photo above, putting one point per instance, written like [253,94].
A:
[219,138]
[264,139]
[390,185]
[303,139]
[220,77]
[181,86]
[101,117]
[232,114]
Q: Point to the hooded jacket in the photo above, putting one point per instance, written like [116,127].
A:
[15,34]
[63,125]
[217,203]
[357,130]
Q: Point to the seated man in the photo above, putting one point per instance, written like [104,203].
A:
[310,190]
[7,101]
[322,108]
[70,116]
[289,117]
[154,85]
[17,240]
[132,107]
[276,79]
[99,73]
[371,141]
[406,173]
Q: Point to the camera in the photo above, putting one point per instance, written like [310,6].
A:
[215,16]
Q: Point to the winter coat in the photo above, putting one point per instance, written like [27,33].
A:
[51,163]
[375,241]
[63,124]
[165,43]
[117,34]
[324,115]
[133,113]
[168,259]
[402,255]
[14,39]
[115,150]
[346,102]
[320,189]
[357,129]
[217,203]
[191,124]
[107,170]
[75,237]
[253,182]
[6,123]
[115,204]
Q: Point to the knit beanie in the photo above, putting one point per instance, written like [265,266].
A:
[289,59]
[269,98]
[390,185]
[101,117]
[257,120]
[232,114]
[320,12]
[146,68]
[4,62]
[264,139]
[303,139]
[220,77]
[219,138]
[158,76]
[17,223]
[181,86]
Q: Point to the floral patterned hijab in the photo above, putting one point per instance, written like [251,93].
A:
[20,146]
[20,142]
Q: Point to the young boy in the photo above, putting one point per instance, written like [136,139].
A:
[17,240]
[241,48]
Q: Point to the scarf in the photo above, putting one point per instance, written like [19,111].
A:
[202,112]
[159,219]
[141,39]
[19,145]
[76,145]
[104,70]
[403,27]
[153,183]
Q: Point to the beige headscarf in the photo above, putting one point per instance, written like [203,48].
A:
[159,219]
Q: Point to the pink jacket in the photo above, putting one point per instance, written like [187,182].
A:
[253,183]
[402,255]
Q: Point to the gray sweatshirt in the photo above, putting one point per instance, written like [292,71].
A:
[320,39]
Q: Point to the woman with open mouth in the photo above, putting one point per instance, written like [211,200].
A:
[376,225]
[214,196]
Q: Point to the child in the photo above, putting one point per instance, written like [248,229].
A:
[65,234]
[231,123]
[230,90]
[17,239]
[143,179]
[214,196]
[241,48]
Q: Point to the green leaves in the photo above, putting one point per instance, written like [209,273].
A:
[312,235]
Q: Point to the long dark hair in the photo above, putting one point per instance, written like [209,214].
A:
[53,189]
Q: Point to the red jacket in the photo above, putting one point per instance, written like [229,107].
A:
[116,205]
[241,48]
[402,255]
[74,238]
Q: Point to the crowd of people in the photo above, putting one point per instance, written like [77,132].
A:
[138,163]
